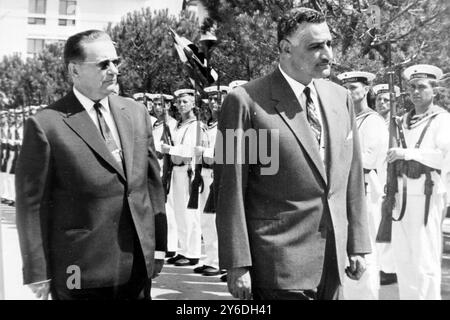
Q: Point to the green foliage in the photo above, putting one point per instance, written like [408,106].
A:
[247,45]
[150,62]
[37,80]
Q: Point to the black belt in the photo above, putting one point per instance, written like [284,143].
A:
[428,191]
[179,165]
[207,166]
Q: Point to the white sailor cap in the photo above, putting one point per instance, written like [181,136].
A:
[138,95]
[213,89]
[384,88]
[423,71]
[157,96]
[236,83]
[356,76]
[182,92]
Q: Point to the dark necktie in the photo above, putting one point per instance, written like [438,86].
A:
[312,115]
[107,135]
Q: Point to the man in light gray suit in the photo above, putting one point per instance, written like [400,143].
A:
[287,235]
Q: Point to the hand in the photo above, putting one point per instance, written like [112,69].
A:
[394,154]
[159,263]
[357,267]
[165,148]
[41,290]
[198,150]
[240,283]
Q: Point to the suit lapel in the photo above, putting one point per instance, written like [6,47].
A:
[331,118]
[294,116]
[125,129]
[79,121]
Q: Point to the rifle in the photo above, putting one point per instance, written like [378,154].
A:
[391,188]
[197,184]
[167,139]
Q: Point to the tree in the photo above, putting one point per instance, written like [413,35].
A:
[37,80]
[418,29]
[150,61]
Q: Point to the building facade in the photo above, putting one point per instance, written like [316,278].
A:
[27,25]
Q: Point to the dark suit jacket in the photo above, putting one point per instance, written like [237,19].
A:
[77,206]
[271,222]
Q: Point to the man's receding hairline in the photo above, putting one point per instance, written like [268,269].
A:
[303,30]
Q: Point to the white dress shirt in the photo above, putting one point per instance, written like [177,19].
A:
[88,104]
[298,89]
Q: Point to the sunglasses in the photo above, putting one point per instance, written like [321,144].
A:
[104,64]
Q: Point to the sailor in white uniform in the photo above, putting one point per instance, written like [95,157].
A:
[420,160]
[373,136]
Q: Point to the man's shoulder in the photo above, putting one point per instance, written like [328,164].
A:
[126,101]
[330,85]
[55,109]
[259,87]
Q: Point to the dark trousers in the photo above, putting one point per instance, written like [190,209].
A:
[328,288]
[137,288]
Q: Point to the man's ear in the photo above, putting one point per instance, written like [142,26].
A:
[285,46]
[73,69]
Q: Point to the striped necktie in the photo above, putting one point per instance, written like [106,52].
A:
[107,135]
[312,115]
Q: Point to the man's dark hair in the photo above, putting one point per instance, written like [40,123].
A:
[73,49]
[290,21]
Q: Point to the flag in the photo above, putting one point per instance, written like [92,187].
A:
[195,60]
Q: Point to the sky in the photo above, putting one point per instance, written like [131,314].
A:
[174,6]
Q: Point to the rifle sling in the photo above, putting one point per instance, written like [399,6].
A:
[428,181]
[404,198]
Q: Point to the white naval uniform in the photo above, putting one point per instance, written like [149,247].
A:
[187,220]
[374,138]
[418,248]
[172,237]
[385,252]
[3,179]
[14,141]
[208,219]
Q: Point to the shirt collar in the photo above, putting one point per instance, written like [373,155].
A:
[296,86]
[87,103]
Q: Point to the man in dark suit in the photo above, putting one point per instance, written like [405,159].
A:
[286,235]
[90,203]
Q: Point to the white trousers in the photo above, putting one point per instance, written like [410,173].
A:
[7,186]
[172,236]
[386,257]
[187,220]
[172,232]
[418,248]
[208,223]
[367,288]
[2,185]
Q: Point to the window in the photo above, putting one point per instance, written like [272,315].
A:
[37,6]
[35,45]
[67,7]
[66,22]
[36,20]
